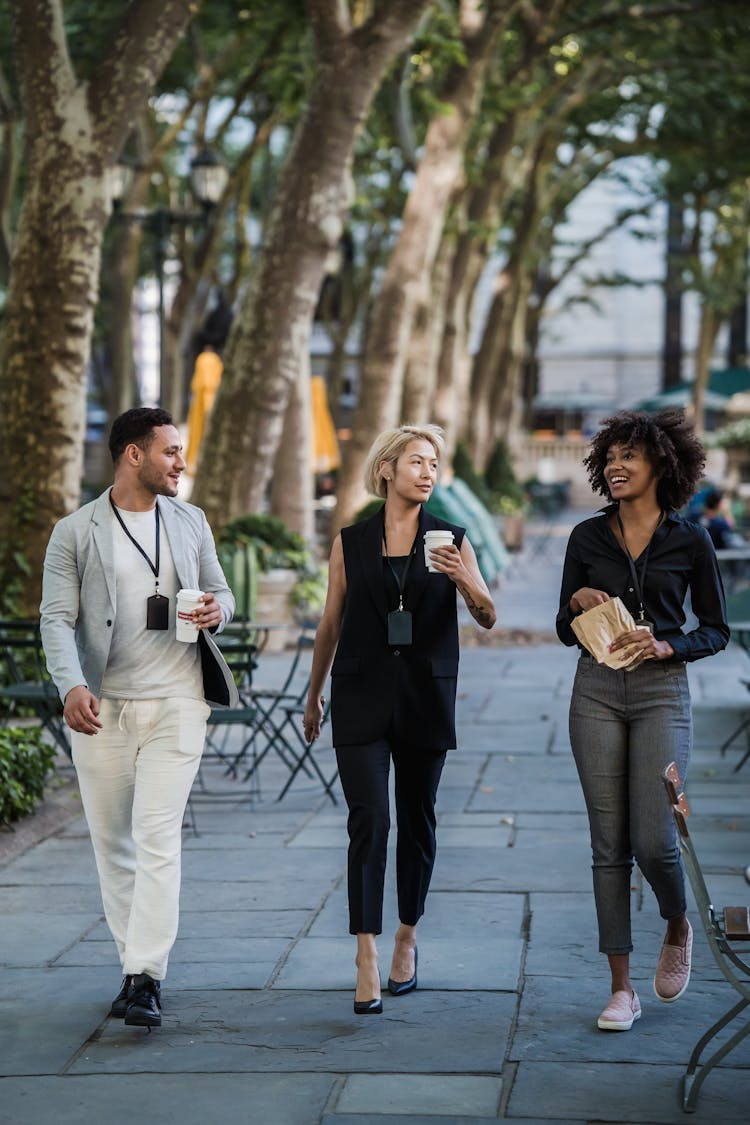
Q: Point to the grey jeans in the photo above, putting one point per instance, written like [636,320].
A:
[625,728]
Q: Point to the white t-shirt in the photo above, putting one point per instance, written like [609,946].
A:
[146,663]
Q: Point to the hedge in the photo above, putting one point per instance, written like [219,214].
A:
[25,761]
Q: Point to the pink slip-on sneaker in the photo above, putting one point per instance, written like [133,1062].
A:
[623,1010]
[673,969]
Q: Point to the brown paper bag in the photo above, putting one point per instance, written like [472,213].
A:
[596,629]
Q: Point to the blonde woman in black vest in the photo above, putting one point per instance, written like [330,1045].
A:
[389,636]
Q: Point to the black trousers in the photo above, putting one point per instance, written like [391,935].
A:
[364,779]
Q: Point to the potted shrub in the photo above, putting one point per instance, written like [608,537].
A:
[512,512]
[271,572]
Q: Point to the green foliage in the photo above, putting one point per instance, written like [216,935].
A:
[275,544]
[367,510]
[25,761]
[506,494]
[309,592]
[463,467]
[269,544]
[734,436]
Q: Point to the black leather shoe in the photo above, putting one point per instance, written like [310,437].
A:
[401,987]
[120,1002]
[144,1002]
[368,1007]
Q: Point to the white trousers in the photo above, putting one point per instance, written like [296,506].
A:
[135,777]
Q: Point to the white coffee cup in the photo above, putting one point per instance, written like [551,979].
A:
[433,539]
[187,602]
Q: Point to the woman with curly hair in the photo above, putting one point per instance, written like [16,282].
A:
[626,726]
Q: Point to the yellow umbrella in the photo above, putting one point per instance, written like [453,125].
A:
[326,455]
[203,388]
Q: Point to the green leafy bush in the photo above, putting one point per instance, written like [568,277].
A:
[734,436]
[463,467]
[25,761]
[507,494]
[368,509]
[275,545]
[268,544]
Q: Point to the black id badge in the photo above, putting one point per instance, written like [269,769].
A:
[399,627]
[157,612]
[644,624]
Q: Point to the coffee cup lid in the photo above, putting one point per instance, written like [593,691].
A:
[189,593]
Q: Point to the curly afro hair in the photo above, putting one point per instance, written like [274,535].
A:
[670,444]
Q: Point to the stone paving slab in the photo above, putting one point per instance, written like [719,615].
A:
[256,863]
[630,1093]
[47,1014]
[37,938]
[266,891]
[537,861]
[450,836]
[481,962]
[376,1118]
[420,1119]
[240,924]
[26,898]
[186,1099]
[469,1095]
[300,1031]
[567,923]
[260,951]
[209,841]
[666,1033]
[452,798]
[54,861]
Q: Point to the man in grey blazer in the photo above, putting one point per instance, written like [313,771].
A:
[135,698]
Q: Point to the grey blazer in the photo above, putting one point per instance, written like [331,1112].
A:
[79,594]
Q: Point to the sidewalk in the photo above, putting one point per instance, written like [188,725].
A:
[258,1022]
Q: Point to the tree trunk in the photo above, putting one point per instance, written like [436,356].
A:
[710,323]
[407,275]
[505,404]
[292,483]
[673,286]
[74,132]
[420,380]
[270,337]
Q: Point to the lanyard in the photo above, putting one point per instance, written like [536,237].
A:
[155,564]
[400,579]
[639,586]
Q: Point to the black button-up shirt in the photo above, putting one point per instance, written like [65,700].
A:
[681,557]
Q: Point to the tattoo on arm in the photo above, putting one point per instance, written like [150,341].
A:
[481,615]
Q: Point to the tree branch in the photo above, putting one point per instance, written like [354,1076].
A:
[139,52]
[331,22]
[42,61]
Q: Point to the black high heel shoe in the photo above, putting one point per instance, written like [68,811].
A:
[368,1007]
[401,987]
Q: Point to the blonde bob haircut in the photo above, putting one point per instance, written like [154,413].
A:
[389,446]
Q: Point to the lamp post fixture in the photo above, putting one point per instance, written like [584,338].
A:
[208,178]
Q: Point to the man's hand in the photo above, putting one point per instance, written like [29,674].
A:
[207,615]
[81,710]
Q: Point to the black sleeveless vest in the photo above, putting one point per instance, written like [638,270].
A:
[377,690]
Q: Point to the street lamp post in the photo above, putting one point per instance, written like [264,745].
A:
[208,177]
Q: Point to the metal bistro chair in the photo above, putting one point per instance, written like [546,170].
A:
[239,649]
[738,616]
[273,705]
[722,928]
[24,680]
